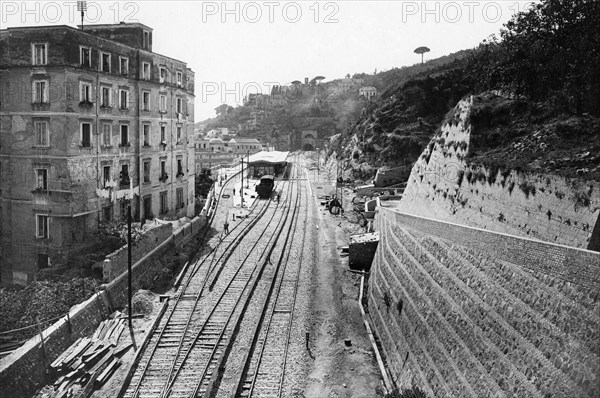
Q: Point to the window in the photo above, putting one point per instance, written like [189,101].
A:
[179,198]
[105,175]
[179,167]
[163,103]
[107,213]
[148,207]
[43,260]
[40,91]
[105,62]
[146,40]
[164,207]
[39,53]
[106,133]
[146,171]
[123,99]
[42,136]
[163,74]
[105,99]
[123,66]
[85,58]
[146,100]
[124,135]
[41,179]
[85,92]
[86,135]
[145,70]
[124,176]
[179,78]
[163,133]
[179,105]
[146,133]
[163,169]
[41,226]
[178,133]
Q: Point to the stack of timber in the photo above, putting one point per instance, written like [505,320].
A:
[90,361]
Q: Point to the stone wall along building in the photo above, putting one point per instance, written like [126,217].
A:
[85,116]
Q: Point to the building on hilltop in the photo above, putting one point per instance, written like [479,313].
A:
[87,117]
[367,92]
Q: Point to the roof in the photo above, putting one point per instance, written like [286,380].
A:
[240,140]
[269,157]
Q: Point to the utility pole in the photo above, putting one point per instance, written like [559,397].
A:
[129,261]
[242,185]
[248,182]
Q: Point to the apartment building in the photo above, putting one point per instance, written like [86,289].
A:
[90,121]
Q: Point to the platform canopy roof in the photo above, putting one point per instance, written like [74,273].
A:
[273,157]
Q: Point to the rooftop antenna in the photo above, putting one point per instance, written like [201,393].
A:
[82,6]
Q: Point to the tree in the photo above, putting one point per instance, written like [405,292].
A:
[553,49]
[222,109]
[422,50]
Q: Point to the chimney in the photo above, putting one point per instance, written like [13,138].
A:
[306,80]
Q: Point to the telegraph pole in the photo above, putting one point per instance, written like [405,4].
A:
[129,261]
[242,186]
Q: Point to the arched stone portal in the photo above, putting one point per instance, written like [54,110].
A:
[308,141]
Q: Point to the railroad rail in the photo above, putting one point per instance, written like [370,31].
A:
[264,365]
[198,327]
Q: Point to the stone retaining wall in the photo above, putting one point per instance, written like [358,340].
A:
[463,311]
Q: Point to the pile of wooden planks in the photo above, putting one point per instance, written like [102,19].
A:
[89,362]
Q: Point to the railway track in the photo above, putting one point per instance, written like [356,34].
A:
[192,339]
[264,363]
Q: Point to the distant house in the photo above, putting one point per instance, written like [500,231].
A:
[367,92]
[210,153]
[345,85]
[242,146]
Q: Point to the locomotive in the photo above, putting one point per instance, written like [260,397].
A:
[265,188]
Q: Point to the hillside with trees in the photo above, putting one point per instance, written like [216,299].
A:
[540,80]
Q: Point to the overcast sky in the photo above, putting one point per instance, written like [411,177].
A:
[236,47]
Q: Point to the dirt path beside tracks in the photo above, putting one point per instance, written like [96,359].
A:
[338,369]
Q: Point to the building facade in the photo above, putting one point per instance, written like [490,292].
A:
[90,121]
[367,92]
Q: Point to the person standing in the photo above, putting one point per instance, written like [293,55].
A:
[226,227]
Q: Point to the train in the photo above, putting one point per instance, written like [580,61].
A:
[265,188]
